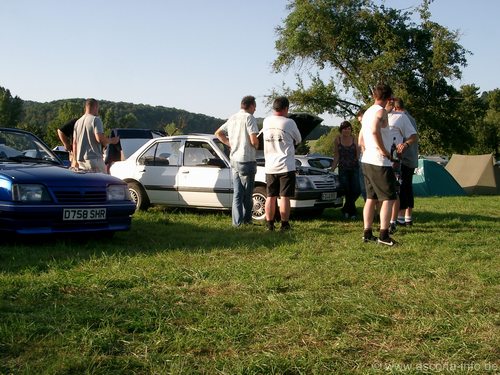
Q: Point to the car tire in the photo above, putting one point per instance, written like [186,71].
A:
[259,197]
[139,196]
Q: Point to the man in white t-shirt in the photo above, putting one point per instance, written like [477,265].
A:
[240,134]
[409,161]
[402,132]
[281,135]
[380,182]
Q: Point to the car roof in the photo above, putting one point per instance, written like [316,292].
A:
[191,135]
[126,133]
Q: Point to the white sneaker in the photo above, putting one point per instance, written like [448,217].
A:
[388,241]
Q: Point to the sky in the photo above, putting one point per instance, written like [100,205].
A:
[201,56]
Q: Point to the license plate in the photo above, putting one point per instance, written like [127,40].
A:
[84,214]
[328,196]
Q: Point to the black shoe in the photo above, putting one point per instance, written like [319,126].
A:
[387,241]
[409,223]
[285,226]
[393,228]
[270,225]
[370,238]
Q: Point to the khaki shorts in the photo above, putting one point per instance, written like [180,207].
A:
[92,165]
[380,182]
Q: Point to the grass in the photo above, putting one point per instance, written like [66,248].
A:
[185,293]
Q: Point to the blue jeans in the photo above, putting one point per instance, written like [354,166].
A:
[349,180]
[243,183]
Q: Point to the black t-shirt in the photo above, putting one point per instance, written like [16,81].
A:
[68,128]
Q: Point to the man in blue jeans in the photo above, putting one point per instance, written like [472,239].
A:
[239,133]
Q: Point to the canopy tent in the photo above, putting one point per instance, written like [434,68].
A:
[476,174]
[432,179]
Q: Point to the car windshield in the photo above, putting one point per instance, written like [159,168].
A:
[320,163]
[18,146]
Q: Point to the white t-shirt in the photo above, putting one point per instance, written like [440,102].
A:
[238,129]
[400,126]
[280,137]
[372,154]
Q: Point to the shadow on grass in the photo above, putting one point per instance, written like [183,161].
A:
[153,232]
[158,231]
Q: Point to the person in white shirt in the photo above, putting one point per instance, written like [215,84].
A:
[409,161]
[402,132]
[380,182]
[281,135]
[89,139]
[239,133]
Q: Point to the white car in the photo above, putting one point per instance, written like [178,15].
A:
[194,171]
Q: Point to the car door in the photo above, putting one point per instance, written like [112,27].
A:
[204,179]
[158,167]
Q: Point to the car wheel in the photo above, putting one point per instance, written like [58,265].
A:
[139,196]
[259,203]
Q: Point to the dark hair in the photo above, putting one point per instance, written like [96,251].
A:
[344,125]
[281,103]
[382,92]
[398,103]
[247,101]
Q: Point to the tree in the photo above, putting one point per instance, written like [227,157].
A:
[128,121]
[109,118]
[172,129]
[10,109]
[355,44]
[489,136]
[68,111]
[324,144]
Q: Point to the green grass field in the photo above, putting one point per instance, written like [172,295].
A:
[185,293]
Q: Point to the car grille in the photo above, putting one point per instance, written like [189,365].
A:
[323,182]
[80,196]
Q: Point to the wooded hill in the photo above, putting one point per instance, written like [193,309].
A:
[125,115]
[121,114]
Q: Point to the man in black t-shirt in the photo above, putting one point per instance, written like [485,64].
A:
[65,134]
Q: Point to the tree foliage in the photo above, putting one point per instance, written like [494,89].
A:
[69,110]
[44,118]
[10,108]
[343,48]
[172,129]
[487,131]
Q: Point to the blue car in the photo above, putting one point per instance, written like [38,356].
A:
[38,195]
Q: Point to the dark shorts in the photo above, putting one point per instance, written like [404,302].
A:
[380,182]
[281,184]
[397,174]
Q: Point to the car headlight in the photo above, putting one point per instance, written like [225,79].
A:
[118,193]
[303,183]
[30,193]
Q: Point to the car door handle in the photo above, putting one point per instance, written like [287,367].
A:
[185,172]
